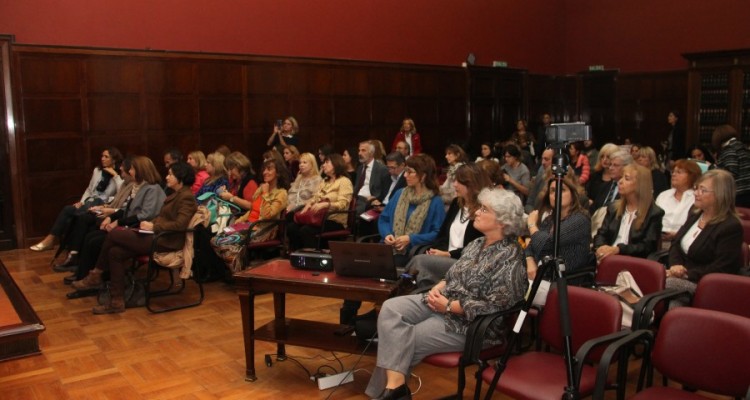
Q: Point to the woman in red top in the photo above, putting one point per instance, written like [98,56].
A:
[408,134]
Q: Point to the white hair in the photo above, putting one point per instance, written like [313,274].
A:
[507,208]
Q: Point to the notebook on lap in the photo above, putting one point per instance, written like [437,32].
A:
[363,260]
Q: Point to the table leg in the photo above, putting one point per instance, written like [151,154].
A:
[279,308]
[247,307]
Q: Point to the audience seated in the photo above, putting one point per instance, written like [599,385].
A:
[335,194]
[305,185]
[395,163]
[456,157]
[517,175]
[104,183]
[540,181]
[291,159]
[579,162]
[408,134]
[242,184]
[529,148]
[489,277]
[711,238]
[217,175]
[197,160]
[677,201]
[457,230]
[379,150]
[403,148]
[122,245]
[351,159]
[494,172]
[632,225]
[574,228]
[83,223]
[373,182]
[646,157]
[268,202]
[486,153]
[143,203]
[600,172]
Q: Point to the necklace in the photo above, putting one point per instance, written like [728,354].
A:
[461,216]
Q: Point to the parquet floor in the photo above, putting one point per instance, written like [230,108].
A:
[195,353]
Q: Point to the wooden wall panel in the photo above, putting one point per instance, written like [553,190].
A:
[169,77]
[110,75]
[165,113]
[52,155]
[50,76]
[220,114]
[114,113]
[52,115]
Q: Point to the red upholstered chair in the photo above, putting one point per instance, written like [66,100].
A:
[651,279]
[743,212]
[724,292]
[473,352]
[745,230]
[350,231]
[701,349]
[595,321]
[276,242]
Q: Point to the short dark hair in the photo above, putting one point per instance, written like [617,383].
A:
[175,153]
[513,150]
[396,157]
[183,172]
[339,166]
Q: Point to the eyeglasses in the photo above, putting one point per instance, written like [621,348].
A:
[702,190]
[483,209]
[410,171]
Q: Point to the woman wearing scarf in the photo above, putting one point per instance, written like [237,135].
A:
[412,217]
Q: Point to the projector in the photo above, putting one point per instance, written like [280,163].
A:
[314,260]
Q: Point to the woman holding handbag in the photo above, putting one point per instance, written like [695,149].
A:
[268,202]
[334,194]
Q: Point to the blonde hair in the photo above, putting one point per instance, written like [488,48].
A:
[295,125]
[313,163]
[649,153]
[607,150]
[216,160]
[724,191]
[644,190]
[199,158]
[293,150]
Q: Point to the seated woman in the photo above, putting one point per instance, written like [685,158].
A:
[486,153]
[711,238]
[489,277]
[632,225]
[699,153]
[415,213]
[575,228]
[104,183]
[677,201]
[122,245]
[517,175]
[456,157]
[600,174]
[268,202]
[197,160]
[579,162]
[241,180]
[217,175]
[351,160]
[646,156]
[305,185]
[457,230]
[335,193]
[291,158]
[143,203]
[83,223]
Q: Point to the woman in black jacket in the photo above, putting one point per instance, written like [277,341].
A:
[457,230]
[632,225]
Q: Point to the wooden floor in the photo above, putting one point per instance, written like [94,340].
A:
[194,353]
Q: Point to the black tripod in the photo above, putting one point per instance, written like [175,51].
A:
[557,264]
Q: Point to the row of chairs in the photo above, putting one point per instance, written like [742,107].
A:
[597,339]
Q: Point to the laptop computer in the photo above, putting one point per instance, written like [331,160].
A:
[363,260]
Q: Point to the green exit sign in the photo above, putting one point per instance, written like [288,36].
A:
[596,68]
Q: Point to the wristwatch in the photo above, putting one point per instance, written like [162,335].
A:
[448,307]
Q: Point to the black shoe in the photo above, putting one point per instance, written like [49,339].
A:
[400,393]
[69,265]
[77,294]
[70,279]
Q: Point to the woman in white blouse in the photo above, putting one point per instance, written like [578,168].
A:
[677,201]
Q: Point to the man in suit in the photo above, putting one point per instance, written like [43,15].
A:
[373,183]
[396,165]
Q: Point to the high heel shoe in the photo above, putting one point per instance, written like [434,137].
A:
[42,247]
[400,393]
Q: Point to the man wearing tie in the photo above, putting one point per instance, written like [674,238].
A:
[395,162]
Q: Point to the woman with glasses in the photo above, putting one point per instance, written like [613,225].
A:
[711,238]
[632,225]
[489,277]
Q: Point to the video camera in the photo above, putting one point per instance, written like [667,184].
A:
[568,132]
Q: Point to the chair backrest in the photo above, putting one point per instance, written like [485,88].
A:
[724,292]
[705,350]
[592,314]
[743,212]
[650,275]
[745,230]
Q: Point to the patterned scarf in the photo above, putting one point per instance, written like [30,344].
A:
[409,197]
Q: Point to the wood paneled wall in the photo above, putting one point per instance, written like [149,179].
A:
[72,103]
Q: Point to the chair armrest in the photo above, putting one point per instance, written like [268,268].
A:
[658,256]
[584,272]
[329,213]
[645,306]
[590,344]
[640,336]
[477,331]
[161,235]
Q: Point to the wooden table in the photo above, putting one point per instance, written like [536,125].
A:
[279,277]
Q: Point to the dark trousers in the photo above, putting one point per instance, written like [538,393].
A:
[92,246]
[81,226]
[305,235]
[63,220]
[118,252]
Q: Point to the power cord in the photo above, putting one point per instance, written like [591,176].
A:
[367,346]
